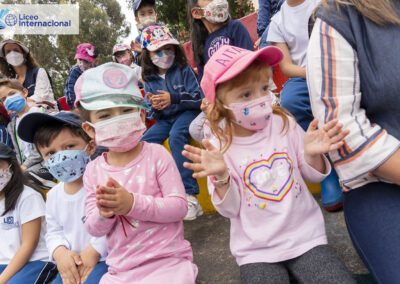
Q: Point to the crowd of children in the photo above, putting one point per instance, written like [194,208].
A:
[117,217]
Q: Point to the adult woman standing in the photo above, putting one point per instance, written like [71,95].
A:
[352,67]
[16,61]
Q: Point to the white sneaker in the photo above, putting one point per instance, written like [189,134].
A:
[194,208]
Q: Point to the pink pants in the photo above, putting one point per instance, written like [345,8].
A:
[166,270]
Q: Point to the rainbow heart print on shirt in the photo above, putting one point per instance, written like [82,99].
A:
[270,179]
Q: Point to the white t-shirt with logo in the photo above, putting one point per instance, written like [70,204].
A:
[30,205]
[66,215]
[290,26]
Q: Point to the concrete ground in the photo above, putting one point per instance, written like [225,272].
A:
[209,236]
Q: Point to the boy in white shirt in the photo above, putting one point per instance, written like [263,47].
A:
[289,31]
[66,148]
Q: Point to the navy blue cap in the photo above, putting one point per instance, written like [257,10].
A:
[33,121]
[6,152]
[137,3]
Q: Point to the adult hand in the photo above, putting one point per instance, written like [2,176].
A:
[206,162]
[90,257]
[114,198]
[67,262]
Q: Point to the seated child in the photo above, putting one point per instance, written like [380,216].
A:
[13,95]
[65,148]
[145,15]
[86,58]
[134,193]
[23,254]
[174,96]
[122,54]
[256,165]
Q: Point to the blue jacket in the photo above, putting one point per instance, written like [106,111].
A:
[183,87]
[267,8]
[69,92]
[233,33]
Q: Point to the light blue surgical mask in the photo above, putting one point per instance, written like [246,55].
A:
[68,165]
[15,102]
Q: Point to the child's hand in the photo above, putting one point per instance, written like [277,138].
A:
[162,100]
[113,198]
[327,138]
[135,46]
[67,262]
[90,257]
[204,105]
[209,162]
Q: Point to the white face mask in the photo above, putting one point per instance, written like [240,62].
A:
[164,59]
[5,177]
[15,58]
[216,11]
[148,21]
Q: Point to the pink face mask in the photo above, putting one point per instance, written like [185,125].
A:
[126,60]
[253,115]
[120,133]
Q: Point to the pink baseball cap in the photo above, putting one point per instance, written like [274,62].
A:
[229,61]
[120,47]
[85,51]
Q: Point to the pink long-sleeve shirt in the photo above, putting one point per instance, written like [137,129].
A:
[157,213]
[273,215]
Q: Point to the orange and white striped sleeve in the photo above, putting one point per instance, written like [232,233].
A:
[334,86]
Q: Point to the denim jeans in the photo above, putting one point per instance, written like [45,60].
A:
[33,272]
[295,98]
[372,214]
[177,130]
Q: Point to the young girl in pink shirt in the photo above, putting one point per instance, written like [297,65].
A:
[256,164]
[135,194]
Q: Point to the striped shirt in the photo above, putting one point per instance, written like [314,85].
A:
[334,86]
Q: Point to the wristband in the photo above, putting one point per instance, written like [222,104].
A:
[220,182]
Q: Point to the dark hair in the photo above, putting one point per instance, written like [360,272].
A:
[148,67]
[144,4]
[15,186]
[47,133]
[83,113]
[8,70]
[198,33]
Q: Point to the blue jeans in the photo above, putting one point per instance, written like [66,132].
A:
[372,214]
[295,98]
[94,277]
[33,272]
[177,130]
[263,41]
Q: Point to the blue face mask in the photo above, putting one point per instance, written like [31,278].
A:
[15,102]
[68,165]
